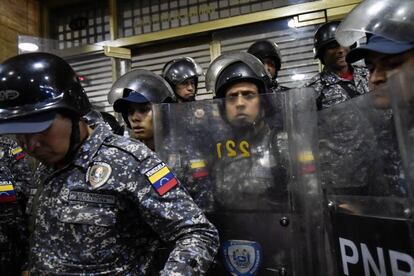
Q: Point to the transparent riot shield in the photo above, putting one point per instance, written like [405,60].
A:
[402,94]
[368,219]
[249,163]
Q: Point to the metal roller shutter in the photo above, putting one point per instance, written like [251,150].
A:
[153,58]
[97,73]
[296,45]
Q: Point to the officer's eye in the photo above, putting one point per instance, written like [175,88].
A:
[142,108]
[249,95]
[332,45]
[394,62]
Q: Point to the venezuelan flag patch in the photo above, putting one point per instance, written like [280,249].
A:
[18,153]
[7,193]
[161,178]
[199,169]
[197,163]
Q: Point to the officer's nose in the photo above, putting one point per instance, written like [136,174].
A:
[240,101]
[136,116]
[190,86]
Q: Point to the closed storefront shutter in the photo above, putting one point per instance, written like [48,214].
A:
[154,58]
[96,77]
[296,46]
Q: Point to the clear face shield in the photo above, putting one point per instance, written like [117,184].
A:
[392,19]
[241,175]
[399,87]
[365,155]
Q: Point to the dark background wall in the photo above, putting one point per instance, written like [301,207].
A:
[17,17]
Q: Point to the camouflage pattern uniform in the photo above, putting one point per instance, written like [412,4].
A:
[254,176]
[186,154]
[192,168]
[359,151]
[250,195]
[330,88]
[15,184]
[346,147]
[391,179]
[100,215]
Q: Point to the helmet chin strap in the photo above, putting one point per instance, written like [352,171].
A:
[74,141]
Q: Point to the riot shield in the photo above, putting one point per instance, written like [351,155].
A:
[369,224]
[254,173]
[402,92]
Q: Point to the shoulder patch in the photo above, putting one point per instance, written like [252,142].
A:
[161,178]
[197,163]
[199,169]
[98,173]
[18,153]
[7,192]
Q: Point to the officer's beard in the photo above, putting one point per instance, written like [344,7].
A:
[248,129]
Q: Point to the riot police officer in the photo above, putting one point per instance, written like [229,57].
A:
[387,52]
[182,74]
[339,81]
[133,95]
[388,25]
[141,89]
[104,201]
[269,54]
[386,49]
[389,55]
[251,167]
[16,184]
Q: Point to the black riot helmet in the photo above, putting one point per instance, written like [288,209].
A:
[33,88]
[231,68]
[265,49]
[323,36]
[178,70]
[139,86]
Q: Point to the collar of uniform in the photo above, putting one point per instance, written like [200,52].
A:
[330,77]
[360,74]
[91,145]
[7,142]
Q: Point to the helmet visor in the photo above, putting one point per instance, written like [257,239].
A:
[28,124]
[221,62]
[121,105]
[392,19]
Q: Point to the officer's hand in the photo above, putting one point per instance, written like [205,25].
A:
[25,273]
